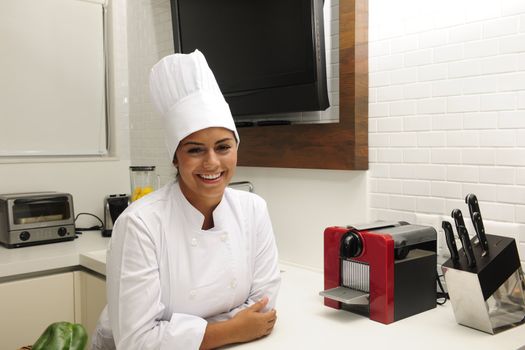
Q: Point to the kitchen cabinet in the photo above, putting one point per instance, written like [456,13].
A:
[47,283]
[30,305]
[90,294]
[43,44]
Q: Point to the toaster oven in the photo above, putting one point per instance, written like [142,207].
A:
[36,218]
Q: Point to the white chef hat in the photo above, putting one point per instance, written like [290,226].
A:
[185,92]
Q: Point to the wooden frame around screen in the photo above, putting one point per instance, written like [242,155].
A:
[342,145]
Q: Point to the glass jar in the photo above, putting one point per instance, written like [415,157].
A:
[143,180]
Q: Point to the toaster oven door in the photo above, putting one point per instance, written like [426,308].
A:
[40,211]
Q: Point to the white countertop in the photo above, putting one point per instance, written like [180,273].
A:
[39,258]
[303,321]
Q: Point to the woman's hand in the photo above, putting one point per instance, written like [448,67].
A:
[248,324]
[252,324]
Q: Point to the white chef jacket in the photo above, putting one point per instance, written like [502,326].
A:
[166,277]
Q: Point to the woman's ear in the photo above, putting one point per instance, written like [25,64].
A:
[175,164]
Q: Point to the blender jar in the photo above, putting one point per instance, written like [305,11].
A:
[143,180]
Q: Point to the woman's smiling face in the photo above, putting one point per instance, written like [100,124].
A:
[206,161]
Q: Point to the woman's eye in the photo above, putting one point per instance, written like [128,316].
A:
[223,148]
[195,150]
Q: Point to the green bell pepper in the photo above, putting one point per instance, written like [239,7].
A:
[62,336]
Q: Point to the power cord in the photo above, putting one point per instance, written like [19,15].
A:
[92,228]
[441,295]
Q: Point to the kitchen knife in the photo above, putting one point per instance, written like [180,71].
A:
[458,219]
[467,246]
[477,221]
[451,241]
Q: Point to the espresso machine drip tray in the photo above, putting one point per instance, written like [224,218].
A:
[346,295]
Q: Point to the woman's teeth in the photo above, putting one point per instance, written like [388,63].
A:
[210,176]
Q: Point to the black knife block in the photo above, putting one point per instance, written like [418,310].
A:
[475,292]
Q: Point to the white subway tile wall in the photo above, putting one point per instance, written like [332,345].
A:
[150,39]
[447,112]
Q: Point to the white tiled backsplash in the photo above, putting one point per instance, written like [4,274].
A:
[447,111]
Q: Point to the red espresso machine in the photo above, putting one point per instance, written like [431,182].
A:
[386,271]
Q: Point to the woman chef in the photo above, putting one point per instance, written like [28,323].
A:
[194,264]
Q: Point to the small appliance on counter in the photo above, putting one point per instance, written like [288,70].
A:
[143,180]
[484,278]
[386,271]
[114,205]
[36,218]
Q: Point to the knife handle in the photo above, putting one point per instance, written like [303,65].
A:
[451,241]
[467,246]
[458,219]
[472,202]
[480,230]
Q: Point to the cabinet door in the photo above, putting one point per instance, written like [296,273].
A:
[92,299]
[30,305]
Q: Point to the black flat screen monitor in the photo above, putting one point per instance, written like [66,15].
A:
[268,56]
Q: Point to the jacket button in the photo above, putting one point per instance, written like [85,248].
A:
[233,283]
[224,237]
[194,242]
[193,294]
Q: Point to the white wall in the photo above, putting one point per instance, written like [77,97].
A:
[447,111]
[88,182]
[88,179]
[302,203]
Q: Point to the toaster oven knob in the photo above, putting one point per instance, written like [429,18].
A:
[62,231]
[24,235]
